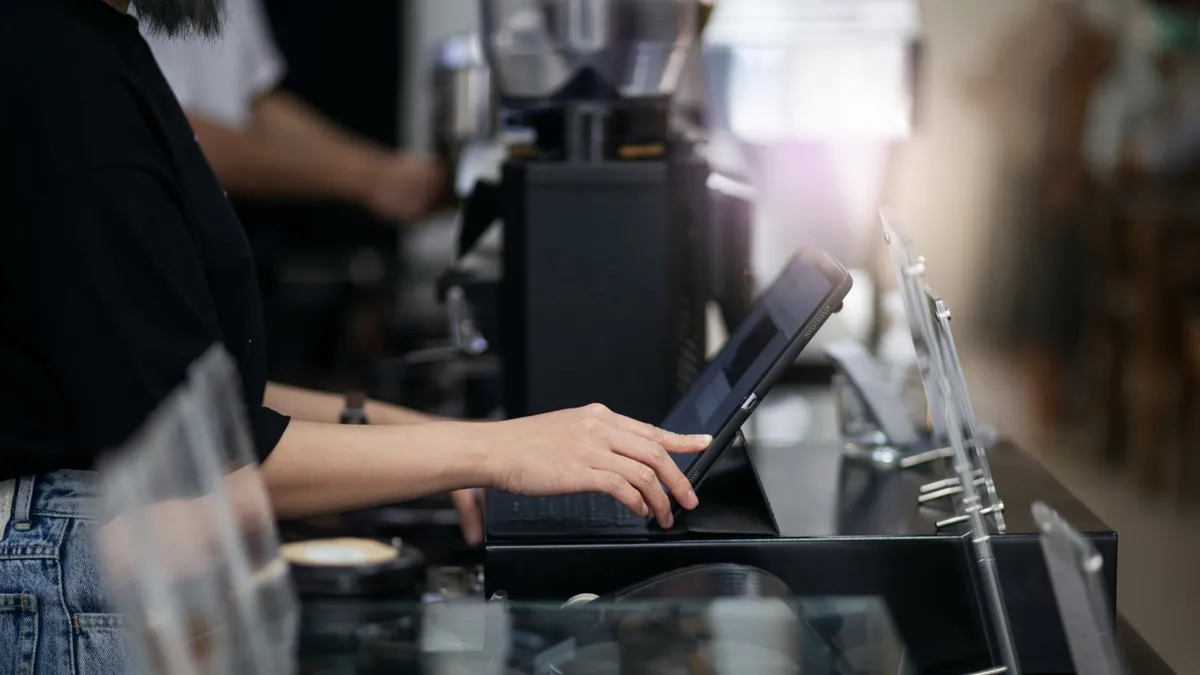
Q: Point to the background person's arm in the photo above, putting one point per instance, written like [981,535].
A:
[279,114]
[289,150]
[265,143]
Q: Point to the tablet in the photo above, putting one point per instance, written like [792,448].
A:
[787,315]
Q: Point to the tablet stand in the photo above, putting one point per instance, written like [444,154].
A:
[732,499]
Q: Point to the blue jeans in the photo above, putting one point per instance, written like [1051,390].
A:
[54,614]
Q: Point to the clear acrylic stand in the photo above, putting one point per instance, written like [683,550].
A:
[188,539]
[944,383]
[909,269]
[1076,570]
[958,401]
[968,482]
[974,510]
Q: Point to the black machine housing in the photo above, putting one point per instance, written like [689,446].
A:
[604,278]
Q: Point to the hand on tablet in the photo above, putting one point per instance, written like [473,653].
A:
[593,449]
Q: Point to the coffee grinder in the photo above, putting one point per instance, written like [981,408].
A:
[603,202]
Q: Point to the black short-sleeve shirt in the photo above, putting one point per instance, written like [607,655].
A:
[121,260]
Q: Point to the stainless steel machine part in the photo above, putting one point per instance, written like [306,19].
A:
[637,47]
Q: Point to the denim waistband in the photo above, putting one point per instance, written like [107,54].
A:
[65,493]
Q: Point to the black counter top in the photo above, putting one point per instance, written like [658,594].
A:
[815,492]
[850,528]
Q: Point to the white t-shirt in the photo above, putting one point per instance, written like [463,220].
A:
[221,77]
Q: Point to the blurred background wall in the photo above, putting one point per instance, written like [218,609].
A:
[949,177]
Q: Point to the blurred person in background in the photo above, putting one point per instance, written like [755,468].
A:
[1083,90]
[269,147]
[266,143]
[1040,97]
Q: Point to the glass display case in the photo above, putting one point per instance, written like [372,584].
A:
[817,636]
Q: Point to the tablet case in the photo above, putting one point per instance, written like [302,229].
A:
[732,499]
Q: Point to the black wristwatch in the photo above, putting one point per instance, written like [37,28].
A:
[355,411]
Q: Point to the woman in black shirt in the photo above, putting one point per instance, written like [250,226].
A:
[121,262]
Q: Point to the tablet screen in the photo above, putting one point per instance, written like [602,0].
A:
[757,344]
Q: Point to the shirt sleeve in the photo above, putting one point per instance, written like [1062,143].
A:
[221,77]
[264,62]
[116,293]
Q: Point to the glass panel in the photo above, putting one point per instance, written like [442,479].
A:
[1076,572]
[955,387]
[971,504]
[909,268]
[189,542]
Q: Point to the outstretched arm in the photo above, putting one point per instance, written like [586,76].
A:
[306,405]
[320,468]
[325,468]
[291,150]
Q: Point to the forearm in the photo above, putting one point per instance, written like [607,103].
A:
[291,150]
[280,115]
[328,468]
[316,406]
[255,164]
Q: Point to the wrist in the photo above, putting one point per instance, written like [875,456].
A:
[471,462]
[380,413]
[354,410]
[359,180]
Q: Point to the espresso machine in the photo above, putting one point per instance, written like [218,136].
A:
[603,203]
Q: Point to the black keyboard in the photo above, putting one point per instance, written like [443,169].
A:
[586,510]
